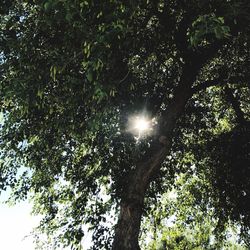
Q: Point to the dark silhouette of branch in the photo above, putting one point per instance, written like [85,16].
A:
[234,101]
[219,81]
[206,85]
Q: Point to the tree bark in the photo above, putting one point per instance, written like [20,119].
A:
[131,207]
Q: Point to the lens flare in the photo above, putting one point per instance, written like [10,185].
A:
[141,124]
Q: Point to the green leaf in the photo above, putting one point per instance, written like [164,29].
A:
[53,72]
[89,76]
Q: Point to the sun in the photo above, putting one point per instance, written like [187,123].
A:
[141,124]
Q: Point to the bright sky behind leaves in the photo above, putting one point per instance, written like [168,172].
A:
[16,223]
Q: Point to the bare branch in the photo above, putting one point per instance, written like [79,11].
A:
[125,77]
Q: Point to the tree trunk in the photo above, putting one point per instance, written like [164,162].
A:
[127,232]
[131,207]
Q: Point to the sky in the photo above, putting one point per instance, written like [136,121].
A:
[16,222]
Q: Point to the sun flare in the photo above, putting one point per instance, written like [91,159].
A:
[141,124]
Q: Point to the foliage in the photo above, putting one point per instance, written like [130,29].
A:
[229,151]
[73,72]
[194,224]
[208,25]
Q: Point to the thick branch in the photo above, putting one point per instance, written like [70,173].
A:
[235,104]
[128,226]
[218,81]
[206,85]
[181,39]
[229,94]
[167,123]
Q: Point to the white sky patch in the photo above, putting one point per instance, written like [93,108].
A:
[16,224]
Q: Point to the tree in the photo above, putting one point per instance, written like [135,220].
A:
[73,72]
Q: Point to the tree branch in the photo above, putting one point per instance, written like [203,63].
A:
[206,84]
[218,81]
[240,116]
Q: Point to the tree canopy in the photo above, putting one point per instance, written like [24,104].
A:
[74,73]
